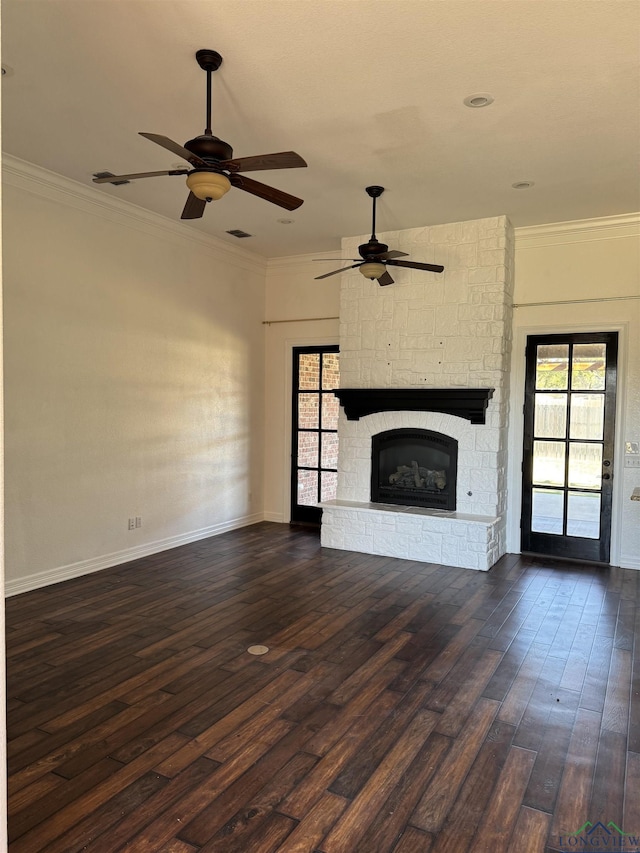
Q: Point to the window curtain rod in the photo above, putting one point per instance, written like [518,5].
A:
[515,305]
[573,301]
[298,320]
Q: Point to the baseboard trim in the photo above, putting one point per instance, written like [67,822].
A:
[106,561]
[278,517]
[629,562]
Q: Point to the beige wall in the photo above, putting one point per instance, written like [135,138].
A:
[596,260]
[133,381]
[3,692]
[292,296]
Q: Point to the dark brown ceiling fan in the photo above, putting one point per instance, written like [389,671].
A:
[215,170]
[375,256]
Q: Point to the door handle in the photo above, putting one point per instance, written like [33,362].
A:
[606,476]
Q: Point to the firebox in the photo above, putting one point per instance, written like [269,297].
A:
[414,467]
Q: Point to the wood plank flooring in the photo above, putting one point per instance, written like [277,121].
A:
[402,708]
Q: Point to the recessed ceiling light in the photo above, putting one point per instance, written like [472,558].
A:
[285,221]
[7,70]
[522,185]
[478,100]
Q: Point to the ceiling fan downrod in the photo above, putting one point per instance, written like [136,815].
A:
[374,193]
[209,61]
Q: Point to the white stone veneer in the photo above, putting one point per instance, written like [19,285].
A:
[429,331]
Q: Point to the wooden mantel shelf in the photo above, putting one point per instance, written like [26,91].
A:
[469,403]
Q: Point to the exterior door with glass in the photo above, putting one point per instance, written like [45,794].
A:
[569,409]
[314,442]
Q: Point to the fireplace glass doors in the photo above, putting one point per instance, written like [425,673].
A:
[414,467]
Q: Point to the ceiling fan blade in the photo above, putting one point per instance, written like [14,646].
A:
[194,208]
[113,179]
[385,279]
[415,265]
[172,146]
[392,254]
[338,259]
[281,160]
[289,202]
[335,272]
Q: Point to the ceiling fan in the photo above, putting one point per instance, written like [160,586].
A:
[376,256]
[214,170]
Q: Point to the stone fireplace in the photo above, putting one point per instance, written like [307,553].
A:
[426,357]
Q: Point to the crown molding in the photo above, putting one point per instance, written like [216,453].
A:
[40,182]
[578,231]
[291,261]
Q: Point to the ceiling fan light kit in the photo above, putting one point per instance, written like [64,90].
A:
[208,186]
[371,269]
[375,256]
[215,170]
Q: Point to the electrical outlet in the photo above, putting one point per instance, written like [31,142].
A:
[132,524]
[138,521]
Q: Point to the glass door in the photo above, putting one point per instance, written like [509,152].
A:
[569,409]
[314,444]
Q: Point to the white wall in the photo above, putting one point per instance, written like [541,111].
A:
[596,260]
[292,296]
[133,380]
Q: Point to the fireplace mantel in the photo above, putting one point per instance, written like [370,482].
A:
[469,403]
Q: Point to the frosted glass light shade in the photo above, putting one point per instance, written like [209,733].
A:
[372,269]
[208,185]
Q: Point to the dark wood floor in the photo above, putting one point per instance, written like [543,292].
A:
[402,706]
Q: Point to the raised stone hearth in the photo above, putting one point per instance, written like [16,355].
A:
[426,338]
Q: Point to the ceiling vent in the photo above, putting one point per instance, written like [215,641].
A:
[237,232]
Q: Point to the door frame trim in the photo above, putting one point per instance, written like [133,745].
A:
[516,426]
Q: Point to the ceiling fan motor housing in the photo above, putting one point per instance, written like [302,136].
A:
[372,249]
[209,148]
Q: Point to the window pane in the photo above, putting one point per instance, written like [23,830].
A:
[308,446]
[585,465]
[308,414]
[548,463]
[552,367]
[587,416]
[309,370]
[588,367]
[308,488]
[550,416]
[330,370]
[328,485]
[329,450]
[547,511]
[330,410]
[583,514]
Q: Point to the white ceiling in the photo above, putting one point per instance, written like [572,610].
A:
[367,91]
